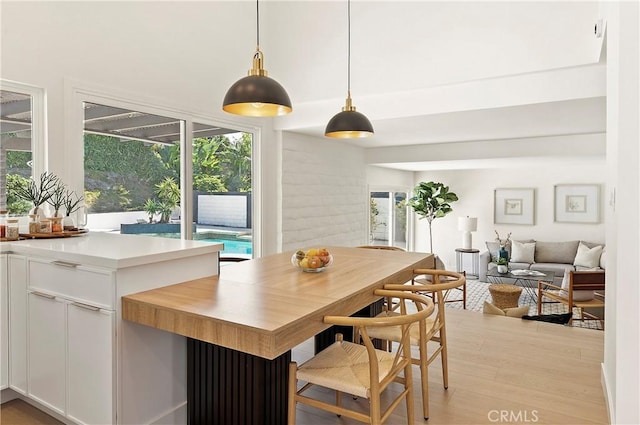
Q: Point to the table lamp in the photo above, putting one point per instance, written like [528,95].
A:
[467,225]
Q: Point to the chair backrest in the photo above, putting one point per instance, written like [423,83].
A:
[587,280]
[423,306]
[435,282]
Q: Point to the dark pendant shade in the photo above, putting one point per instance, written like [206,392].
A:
[349,125]
[257,96]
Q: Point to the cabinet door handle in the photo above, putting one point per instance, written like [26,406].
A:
[43,295]
[85,306]
[65,264]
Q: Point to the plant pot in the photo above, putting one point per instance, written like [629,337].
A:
[502,268]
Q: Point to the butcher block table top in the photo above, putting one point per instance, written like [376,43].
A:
[266,306]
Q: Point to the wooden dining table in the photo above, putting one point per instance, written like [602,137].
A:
[242,324]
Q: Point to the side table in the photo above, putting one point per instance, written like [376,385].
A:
[475,261]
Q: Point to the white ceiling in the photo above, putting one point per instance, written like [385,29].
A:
[581,116]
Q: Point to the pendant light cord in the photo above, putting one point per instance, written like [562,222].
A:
[349,48]
[257,25]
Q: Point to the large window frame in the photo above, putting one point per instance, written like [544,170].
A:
[38,122]
[76,93]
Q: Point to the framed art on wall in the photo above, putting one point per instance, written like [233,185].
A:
[577,203]
[514,206]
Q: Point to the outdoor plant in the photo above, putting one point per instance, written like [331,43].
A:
[432,200]
[168,193]
[151,207]
[38,192]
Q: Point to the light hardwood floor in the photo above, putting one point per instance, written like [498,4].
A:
[501,370]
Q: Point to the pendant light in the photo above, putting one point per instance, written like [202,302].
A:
[257,95]
[349,124]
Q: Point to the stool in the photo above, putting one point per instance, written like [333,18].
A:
[505,295]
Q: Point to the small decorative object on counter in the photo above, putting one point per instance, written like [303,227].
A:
[56,224]
[12,230]
[34,224]
[3,223]
[45,226]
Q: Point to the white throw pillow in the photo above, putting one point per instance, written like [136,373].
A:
[588,257]
[577,295]
[522,252]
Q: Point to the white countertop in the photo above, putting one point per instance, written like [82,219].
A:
[111,250]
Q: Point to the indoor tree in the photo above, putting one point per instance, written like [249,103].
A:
[432,200]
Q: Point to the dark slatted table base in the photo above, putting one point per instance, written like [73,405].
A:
[229,387]
[328,336]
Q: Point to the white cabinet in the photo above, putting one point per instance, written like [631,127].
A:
[4,323]
[69,349]
[47,350]
[71,328]
[90,364]
[17,272]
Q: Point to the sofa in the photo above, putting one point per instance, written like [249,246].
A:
[557,257]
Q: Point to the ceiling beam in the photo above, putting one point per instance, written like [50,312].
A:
[100,112]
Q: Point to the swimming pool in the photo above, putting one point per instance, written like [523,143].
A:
[233,246]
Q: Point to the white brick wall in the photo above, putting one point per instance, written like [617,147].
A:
[324,193]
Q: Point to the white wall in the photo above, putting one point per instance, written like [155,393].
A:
[621,371]
[475,190]
[324,193]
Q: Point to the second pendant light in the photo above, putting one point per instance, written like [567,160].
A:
[349,124]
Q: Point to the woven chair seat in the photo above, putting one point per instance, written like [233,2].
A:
[344,366]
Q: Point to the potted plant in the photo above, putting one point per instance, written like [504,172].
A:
[503,265]
[72,204]
[38,193]
[432,200]
[56,198]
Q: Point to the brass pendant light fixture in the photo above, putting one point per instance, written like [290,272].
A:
[349,124]
[257,95]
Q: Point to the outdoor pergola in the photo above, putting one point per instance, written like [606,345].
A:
[125,124]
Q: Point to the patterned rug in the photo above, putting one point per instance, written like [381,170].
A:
[478,293]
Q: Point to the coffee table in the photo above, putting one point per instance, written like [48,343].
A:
[522,280]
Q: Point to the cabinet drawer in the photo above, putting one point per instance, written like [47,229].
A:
[74,281]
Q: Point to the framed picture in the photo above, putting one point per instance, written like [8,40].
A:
[514,206]
[577,203]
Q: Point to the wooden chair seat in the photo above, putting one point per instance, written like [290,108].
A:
[363,370]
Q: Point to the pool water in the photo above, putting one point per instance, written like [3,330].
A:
[233,246]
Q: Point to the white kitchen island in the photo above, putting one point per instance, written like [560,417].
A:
[66,347]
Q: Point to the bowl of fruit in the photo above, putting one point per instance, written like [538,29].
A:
[313,260]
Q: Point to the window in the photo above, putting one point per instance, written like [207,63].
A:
[135,182]
[22,143]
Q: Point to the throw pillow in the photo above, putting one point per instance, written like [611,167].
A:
[588,257]
[577,295]
[488,308]
[603,259]
[522,252]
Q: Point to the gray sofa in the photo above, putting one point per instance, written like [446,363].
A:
[548,256]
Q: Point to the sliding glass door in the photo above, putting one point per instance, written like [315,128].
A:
[388,223]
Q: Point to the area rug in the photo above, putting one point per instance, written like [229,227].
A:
[478,293]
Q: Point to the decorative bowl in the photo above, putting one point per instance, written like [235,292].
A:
[313,260]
